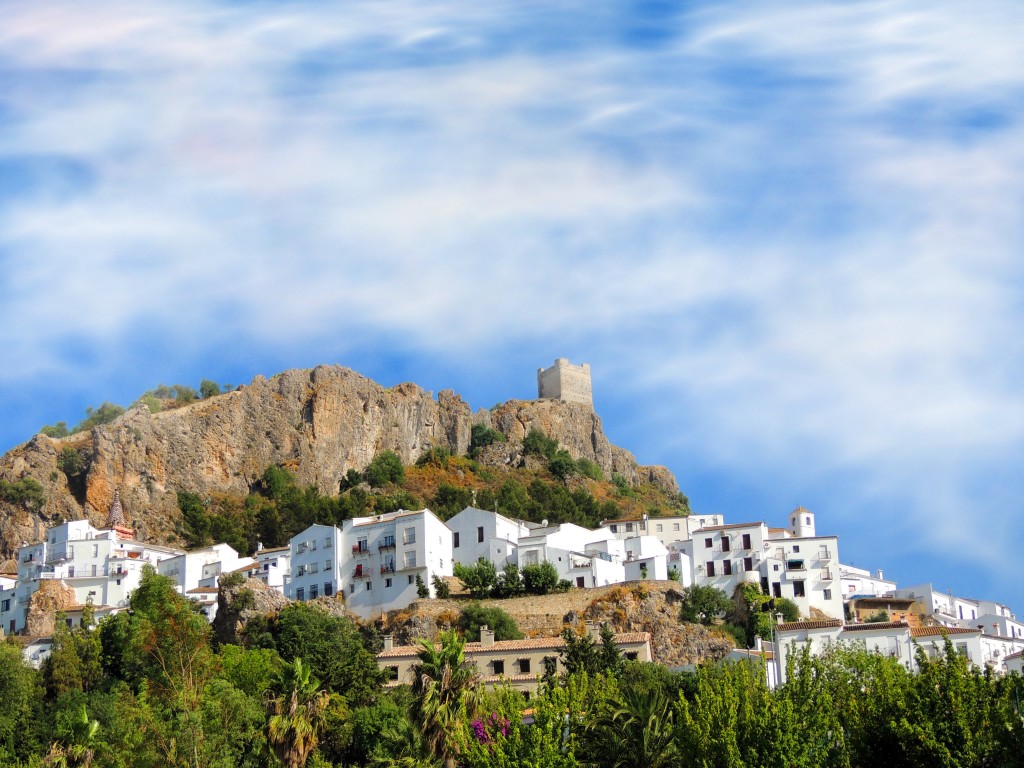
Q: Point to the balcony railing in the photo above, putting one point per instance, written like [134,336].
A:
[361,573]
[388,543]
[387,568]
[361,549]
[826,574]
[580,563]
[824,554]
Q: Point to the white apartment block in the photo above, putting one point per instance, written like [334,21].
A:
[273,566]
[388,552]
[195,573]
[374,561]
[478,533]
[316,556]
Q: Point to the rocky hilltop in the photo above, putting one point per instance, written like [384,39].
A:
[318,423]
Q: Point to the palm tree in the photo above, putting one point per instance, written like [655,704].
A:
[638,731]
[297,716]
[445,691]
[76,742]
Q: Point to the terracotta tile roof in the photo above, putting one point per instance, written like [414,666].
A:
[203,591]
[881,602]
[868,626]
[939,631]
[387,519]
[819,624]
[529,644]
[270,549]
[753,653]
[1016,655]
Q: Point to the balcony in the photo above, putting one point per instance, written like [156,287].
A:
[824,553]
[826,574]
[387,568]
[388,543]
[361,573]
[60,556]
[361,549]
[580,563]
[795,565]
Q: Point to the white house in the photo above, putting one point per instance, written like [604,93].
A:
[944,607]
[785,562]
[479,533]
[195,573]
[576,552]
[388,552]
[859,582]
[667,530]
[892,638]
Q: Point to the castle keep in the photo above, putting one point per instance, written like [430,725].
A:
[565,381]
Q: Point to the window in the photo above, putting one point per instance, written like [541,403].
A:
[300,593]
[796,547]
[410,559]
[351,588]
[675,526]
[327,566]
[412,579]
[727,567]
[369,585]
[827,593]
[410,536]
[362,546]
[524,666]
[314,567]
[480,534]
[615,528]
[632,655]
[708,543]
[392,673]
[328,588]
[776,589]
[71,572]
[748,563]
[499,667]
[580,582]
[327,543]
[95,550]
[725,543]
[659,527]
[775,567]
[629,527]
[808,519]
[455,540]
[387,583]
[6,605]
[798,589]
[711,567]
[746,541]
[314,591]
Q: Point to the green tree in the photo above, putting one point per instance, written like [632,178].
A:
[441,589]
[637,730]
[476,615]
[297,716]
[510,582]
[561,464]
[479,579]
[482,436]
[70,462]
[450,499]
[208,389]
[579,653]
[95,417]
[536,443]
[540,578]
[385,468]
[422,590]
[702,604]
[58,430]
[26,492]
[444,693]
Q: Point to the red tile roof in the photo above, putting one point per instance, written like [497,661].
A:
[529,644]
[728,527]
[939,631]
[868,626]
[819,624]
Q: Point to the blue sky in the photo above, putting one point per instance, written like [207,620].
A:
[786,236]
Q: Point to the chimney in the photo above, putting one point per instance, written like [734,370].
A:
[593,631]
[389,642]
[758,643]
[486,636]
[878,574]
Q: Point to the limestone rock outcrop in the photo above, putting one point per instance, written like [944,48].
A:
[318,423]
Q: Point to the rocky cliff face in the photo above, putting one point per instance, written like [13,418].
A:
[319,423]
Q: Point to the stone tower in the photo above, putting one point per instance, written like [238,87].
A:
[565,381]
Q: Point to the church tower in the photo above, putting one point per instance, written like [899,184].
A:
[117,521]
[801,523]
